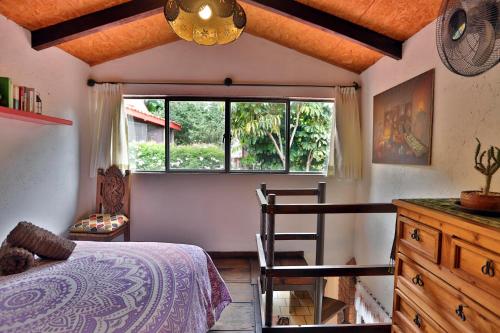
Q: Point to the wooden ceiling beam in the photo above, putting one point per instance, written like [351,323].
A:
[136,9]
[333,24]
[94,22]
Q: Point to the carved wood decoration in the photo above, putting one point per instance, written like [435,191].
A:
[113,188]
[113,196]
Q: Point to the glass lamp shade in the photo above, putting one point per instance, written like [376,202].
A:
[221,23]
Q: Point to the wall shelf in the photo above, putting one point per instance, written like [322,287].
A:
[32,117]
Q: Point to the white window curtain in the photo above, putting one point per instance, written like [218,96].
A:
[109,128]
[346,149]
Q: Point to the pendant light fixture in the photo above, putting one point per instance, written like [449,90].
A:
[206,22]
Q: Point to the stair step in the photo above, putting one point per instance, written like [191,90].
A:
[294,281]
[331,307]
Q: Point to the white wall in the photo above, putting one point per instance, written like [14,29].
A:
[249,59]
[464,108]
[220,212]
[40,165]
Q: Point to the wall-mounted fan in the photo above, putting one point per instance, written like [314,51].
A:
[468,35]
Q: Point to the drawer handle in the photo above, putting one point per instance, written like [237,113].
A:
[460,312]
[417,280]
[415,235]
[418,321]
[488,268]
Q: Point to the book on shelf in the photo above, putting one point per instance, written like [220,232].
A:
[19,97]
[22,99]
[38,103]
[16,104]
[31,100]
[6,92]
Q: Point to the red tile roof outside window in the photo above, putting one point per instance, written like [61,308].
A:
[137,109]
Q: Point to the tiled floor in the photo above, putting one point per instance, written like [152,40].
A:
[297,306]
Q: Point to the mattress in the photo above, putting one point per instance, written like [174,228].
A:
[116,287]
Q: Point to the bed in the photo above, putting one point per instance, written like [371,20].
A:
[116,287]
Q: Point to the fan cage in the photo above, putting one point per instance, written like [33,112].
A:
[458,55]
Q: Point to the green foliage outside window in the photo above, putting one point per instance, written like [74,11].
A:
[156,107]
[259,127]
[146,156]
[310,128]
[202,122]
[195,157]
[150,156]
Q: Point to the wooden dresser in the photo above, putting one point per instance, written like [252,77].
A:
[447,274]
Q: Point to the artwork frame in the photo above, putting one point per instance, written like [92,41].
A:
[403,122]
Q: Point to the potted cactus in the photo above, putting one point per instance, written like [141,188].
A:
[487,162]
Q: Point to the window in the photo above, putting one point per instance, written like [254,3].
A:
[146,133]
[310,132]
[258,136]
[264,135]
[198,143]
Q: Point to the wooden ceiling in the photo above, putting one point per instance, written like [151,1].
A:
[397,19]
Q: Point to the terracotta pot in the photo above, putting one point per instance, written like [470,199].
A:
[476,200]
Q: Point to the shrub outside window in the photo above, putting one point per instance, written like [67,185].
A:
[146,134]
[198,145]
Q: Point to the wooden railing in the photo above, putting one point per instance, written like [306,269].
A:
[266,242]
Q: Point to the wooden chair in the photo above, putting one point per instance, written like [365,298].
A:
[113,197]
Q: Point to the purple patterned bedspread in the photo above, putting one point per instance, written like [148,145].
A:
[116,287]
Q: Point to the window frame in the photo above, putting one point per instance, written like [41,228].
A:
[169,99]
[285,101]
[227,131]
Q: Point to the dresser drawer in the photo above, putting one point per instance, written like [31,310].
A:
[476,265]
[409,318]
[420,238]
[461,312]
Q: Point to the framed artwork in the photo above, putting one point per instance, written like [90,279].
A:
[402,122]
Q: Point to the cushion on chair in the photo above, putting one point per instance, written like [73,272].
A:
[99,223]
